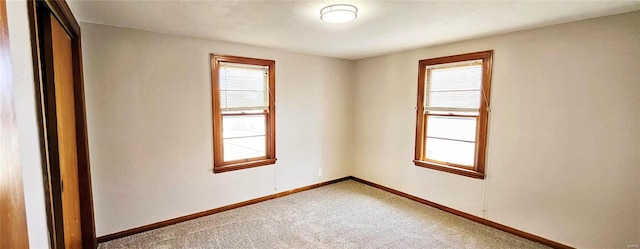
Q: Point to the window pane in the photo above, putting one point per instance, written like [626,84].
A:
[456,85]
[456,78]
[242,77]
[242,126]
[243,86]
[242,148]
[456,128]
[236,100]
[461,153]
[458,99]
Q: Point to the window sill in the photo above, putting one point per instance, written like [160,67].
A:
[449,169]
[243,165]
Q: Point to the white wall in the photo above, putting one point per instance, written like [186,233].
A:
[148,101]
[26,114]
[564,131]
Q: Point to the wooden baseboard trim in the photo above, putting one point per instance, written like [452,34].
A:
[483,221]
[160,224]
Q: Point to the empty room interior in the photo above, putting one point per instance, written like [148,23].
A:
[323,124]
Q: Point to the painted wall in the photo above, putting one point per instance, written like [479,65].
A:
[148,101]
[26,114]
[564,131]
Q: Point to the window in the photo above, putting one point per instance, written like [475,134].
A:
[452,113]
[243,94]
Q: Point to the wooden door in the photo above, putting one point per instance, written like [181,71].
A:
[13,222]
[58,56]
[66,126]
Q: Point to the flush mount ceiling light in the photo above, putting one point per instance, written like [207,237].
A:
[339,13]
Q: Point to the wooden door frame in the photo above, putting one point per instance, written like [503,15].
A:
[39,14]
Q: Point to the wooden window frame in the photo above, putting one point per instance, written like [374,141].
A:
[219,165]
[478,169]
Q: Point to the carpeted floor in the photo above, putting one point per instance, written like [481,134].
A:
[347,214]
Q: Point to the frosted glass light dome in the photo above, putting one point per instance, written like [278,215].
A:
[339,13]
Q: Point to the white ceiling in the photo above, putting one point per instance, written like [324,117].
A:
[382,26]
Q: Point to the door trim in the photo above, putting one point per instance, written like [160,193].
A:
[39,13]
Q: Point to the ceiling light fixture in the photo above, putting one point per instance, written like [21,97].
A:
[339,13]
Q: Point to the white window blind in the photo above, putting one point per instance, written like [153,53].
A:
[454,87]
[243,87]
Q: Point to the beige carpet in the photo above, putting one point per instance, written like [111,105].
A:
[347,214]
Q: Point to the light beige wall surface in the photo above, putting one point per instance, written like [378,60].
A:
[564,131]
[148,101]
[26,115]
